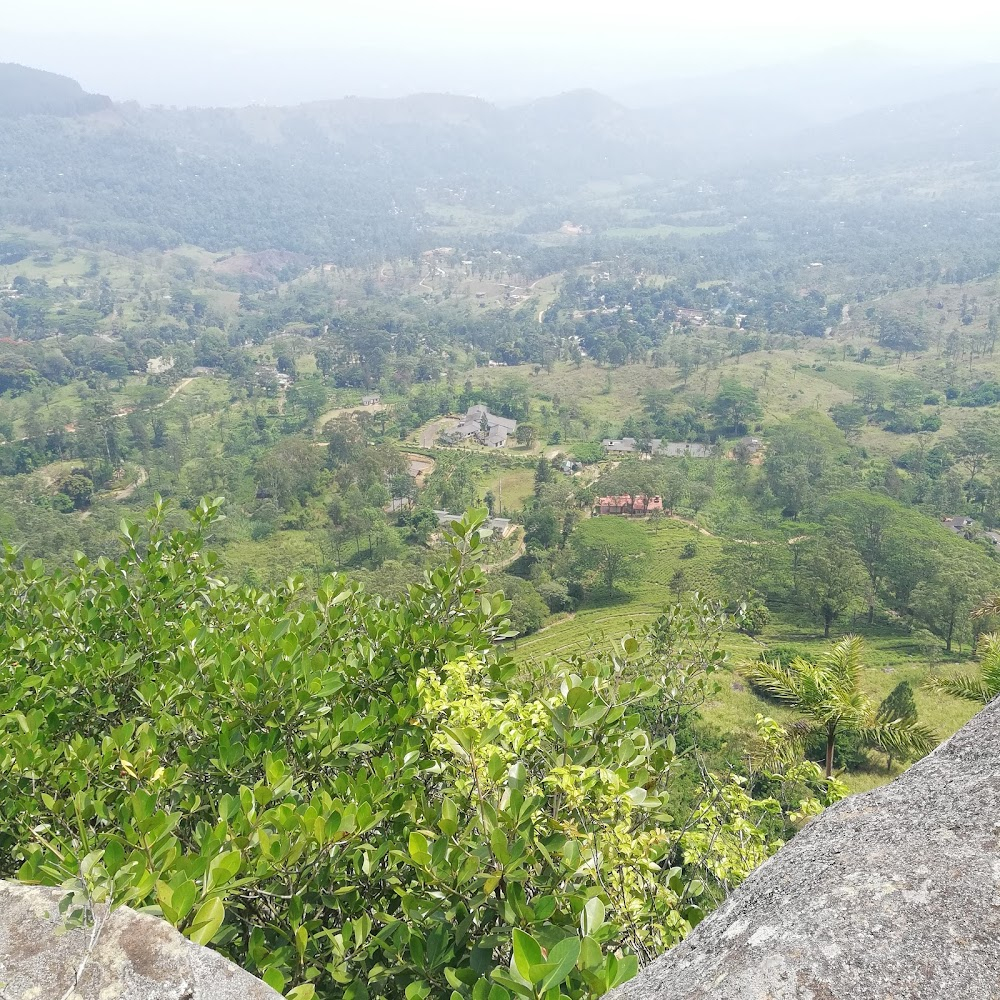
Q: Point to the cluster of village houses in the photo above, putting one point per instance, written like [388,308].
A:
[481,425]
[674,449]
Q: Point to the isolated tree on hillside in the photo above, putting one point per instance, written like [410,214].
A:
[868,389]
[899,703]
[748,567]
[832,578]
[804,456]
[79,488]
[828,692]
[325,360]
[311,395]
[849,417]
[736,404]
[945,601]
[613,561]
[977,444]
[525,435]
[614,564]
[869,521]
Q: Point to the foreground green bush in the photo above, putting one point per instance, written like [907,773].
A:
[357,798]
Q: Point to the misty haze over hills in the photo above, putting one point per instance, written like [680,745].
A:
[339,177]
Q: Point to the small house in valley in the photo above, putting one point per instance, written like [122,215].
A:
[658,447]
[481,425]
[495,527]
[960,525]
[967,528]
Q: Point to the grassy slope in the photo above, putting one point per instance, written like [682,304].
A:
[892,655]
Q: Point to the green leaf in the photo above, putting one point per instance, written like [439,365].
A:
[562,958]
[274,978]
[498,845]
[304,991]
[627,969]
[513,981]
[448,823]
[114,856]
[526,953]
[417,845]
[517,775]
[223,868]
[592,918]
[183,899]
[591,956]
[207,922]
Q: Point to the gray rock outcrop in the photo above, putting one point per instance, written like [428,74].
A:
[890,895]
[121,955]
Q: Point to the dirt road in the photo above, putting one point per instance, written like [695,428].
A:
[429,433]
[183,384]
[140,480]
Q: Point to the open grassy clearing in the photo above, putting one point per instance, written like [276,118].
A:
[512,486]
[598,624]
[299,553]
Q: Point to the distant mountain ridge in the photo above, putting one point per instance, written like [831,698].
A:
[366,177]
[26,91]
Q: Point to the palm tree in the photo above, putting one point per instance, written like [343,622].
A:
[988,608]
[829,693]
[986,686]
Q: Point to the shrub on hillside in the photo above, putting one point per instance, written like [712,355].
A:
[354,797]
[556,596]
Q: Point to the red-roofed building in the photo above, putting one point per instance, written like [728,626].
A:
[628,506]
[614,505]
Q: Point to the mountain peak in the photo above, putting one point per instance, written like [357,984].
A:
[27,91]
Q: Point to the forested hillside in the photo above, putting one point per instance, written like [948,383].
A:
[360,180]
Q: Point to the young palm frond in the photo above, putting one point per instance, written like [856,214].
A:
[784,683]
[969,688]
[845,660]
[988,608]
[900,737]
[986,686]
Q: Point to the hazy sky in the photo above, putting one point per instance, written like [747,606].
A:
[279,51]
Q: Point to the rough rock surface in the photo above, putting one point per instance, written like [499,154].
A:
[890,895]
[123,955]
